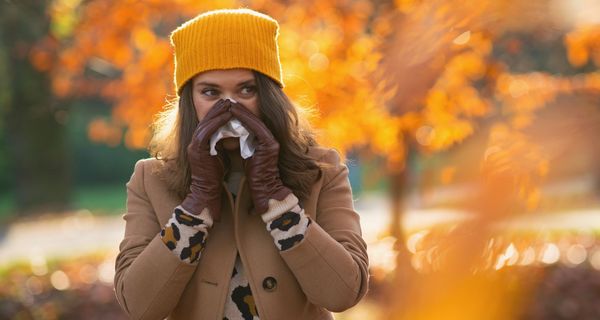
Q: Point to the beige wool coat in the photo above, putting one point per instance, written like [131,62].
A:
[326,271]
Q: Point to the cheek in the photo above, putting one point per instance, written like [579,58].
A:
[201,107]
[252,105]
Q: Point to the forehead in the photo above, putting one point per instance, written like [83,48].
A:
[224,76]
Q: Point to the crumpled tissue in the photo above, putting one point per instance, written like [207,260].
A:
[234,128]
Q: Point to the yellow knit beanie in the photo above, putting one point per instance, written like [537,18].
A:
[226,39]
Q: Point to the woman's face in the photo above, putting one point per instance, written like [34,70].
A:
[236,84]
[212,85]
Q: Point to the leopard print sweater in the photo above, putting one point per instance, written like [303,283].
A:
[186,234]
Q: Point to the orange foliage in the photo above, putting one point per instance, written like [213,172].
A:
[328,57]
[326,52]
[99,130]
[446,79]
[583,45]
[129,53]
[421,70]
[414,72]
[512,157]
[522,95]
[440,60]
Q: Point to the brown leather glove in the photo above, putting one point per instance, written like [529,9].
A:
[262,172]
[207,171]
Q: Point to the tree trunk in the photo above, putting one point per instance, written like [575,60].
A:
[35,138]
[404,274]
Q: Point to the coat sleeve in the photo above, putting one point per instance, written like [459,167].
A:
[149,278]
[331,262]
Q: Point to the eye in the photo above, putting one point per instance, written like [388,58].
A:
[210,92]
[248,90]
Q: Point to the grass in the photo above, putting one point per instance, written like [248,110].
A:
[7,205]
[99,199]
[103,198]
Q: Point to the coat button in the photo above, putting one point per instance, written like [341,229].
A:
[269,284]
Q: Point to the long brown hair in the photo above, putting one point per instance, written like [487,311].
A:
[173,129]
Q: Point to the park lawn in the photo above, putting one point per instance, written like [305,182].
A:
[6,205]
[99,199]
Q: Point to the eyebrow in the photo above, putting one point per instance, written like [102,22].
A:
[210,84]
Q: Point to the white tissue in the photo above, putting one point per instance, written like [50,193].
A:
[234,128]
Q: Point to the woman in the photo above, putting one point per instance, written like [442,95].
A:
[272,236]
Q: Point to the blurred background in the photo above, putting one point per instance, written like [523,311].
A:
[469,128]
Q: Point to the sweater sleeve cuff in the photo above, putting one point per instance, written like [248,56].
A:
[288,226]
[276,208]
[185,234]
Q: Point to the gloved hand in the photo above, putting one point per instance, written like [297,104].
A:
[207,171]
[262,172]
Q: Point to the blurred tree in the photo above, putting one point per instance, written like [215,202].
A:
[126,58]
[328,50]
[4,103]
[33,130]
[451,80]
